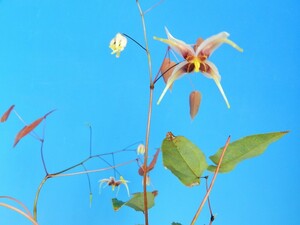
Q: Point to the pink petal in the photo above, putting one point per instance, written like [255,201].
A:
[180,47]
[208,46]
[177,73]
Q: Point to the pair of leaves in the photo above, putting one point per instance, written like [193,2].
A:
[136,202]
[187,162]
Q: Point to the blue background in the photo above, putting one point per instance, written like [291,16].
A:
[54,55]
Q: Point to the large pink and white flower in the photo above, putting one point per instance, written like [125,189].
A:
[195,59]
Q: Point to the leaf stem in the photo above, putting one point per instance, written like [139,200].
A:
[212,183]
[20,212]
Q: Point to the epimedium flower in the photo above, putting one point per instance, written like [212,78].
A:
[195,58]
[141,149]
[117,44]
[115,183]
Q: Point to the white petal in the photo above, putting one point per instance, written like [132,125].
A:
[214,74]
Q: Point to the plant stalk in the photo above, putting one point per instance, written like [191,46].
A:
[149,116]
[211,184]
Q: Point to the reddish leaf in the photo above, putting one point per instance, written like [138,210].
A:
[151,165]
[195,99]
[167,68]
[27,129]
[6,114]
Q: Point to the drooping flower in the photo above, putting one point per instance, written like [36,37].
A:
[195,58]
[115,183]
[141,149]
[117,44]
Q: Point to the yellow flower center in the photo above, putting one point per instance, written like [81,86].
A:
[194,63]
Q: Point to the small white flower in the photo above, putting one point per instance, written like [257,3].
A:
[117,44]
[141,149]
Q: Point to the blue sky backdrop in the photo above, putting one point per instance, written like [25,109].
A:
[54,55]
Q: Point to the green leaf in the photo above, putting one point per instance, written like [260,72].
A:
[185,160]
[244,148]
[117,204]
[136,202]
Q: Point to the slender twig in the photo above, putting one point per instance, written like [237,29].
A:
[29,217]
[211,184]
[135,41]
[165,72]
[94,171]
[115,170]
[19,202]
[149,115]
[154,6]
[37,197]
[89,180]
[208,199]
[32,133]
[42,156]
[91,139]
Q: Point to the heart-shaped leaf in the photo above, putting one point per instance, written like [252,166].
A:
[185,160]
[244,148]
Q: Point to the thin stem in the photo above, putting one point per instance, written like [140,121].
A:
[37,197]
[91,139]
[89,180]
[135,41]
[156,79]
[149,115]
[154,6]
[212,183]
[146,40]
[19,202]
[93,171]
[20,212]
[42,156]
[72,167]
[113,159]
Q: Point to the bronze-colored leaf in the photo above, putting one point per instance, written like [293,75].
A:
[195,100]
[151,165]
[6,114]
[27,129]
[167,68]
